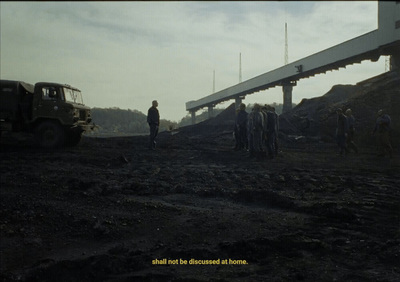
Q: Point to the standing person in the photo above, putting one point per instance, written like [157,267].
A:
[382,126]
[276,143]
[341,131]
[271,132]
[264,111]
[258,126]
[250,136]
[350,134]
[241,123]
[153,119]
[236,132]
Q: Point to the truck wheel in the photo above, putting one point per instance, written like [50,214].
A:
[50,135]
[73,138]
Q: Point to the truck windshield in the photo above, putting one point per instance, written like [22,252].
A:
[73,96]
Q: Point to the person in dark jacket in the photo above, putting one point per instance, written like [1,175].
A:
[250,135]
[236,132]
[258,127]
[276,141]
[350,135]
[271,129]
[153,119]
[382,126]
[241,124]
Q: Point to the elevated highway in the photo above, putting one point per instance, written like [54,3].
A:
[383,41]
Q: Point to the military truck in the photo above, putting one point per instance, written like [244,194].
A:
[54,113]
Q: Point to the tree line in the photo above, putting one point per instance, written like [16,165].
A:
[116,121]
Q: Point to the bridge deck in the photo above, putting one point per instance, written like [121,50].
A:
[369,46]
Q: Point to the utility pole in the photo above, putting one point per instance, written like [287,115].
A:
[214,82]
[287,87]
[286,46]
[240,67]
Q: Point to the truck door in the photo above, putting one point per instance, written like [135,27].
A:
[50,102]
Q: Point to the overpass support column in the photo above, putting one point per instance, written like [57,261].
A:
[238,101]
[210,111]
[287,89]
[394,62]
[193,117]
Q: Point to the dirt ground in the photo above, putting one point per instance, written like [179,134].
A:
[195,210]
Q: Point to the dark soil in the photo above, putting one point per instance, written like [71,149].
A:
[107,209]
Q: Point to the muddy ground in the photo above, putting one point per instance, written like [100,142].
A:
[112,210]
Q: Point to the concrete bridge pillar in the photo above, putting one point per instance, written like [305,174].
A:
[238,101]
[287,97]
[193,117]
[210,111]
[395,62]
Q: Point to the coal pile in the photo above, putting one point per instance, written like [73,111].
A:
[316,118]
[216,130]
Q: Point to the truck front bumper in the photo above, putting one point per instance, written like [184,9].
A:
[82,127]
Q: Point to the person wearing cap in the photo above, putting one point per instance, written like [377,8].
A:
[350,134]
[382,127]
[341,131]
[153,119]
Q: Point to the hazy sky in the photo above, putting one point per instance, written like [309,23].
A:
[126,54]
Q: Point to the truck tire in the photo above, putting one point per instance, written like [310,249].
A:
[73,138]
[50,134]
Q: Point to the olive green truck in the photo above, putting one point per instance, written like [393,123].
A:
[54,113]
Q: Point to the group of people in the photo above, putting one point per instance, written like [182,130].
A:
[346,128]
[257,131]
